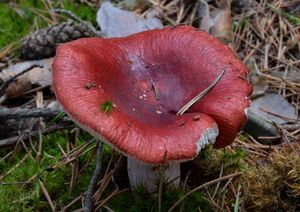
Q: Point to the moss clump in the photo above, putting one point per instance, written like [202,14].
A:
[141,200]
[274,184]
[19,193]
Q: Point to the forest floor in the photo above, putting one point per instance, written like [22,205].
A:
[46,161]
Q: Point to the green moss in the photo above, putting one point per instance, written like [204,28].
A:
[17,19]
[231,160]
[28,197]
[141,200]
[83,11]
[22,195]
[20,17]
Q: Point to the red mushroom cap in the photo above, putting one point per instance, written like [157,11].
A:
[148,77]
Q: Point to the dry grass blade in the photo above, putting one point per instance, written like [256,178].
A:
[111,195]
[203,186]
[6,50]
[74,154]
[71,203]
[108,208]
[48,6]
[6,156]
[200,95]
[45,192]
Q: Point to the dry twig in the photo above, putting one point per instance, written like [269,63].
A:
[18,113]
[88,196]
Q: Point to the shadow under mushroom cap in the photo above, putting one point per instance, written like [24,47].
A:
[145,79]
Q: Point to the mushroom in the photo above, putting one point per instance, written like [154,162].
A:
[127,91]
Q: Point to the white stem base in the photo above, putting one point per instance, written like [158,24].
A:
[148,175]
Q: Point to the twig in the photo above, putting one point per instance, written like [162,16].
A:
[13,140]
[5,85]
[18,113]
[88,196]
[44,190]
[200,95]
[203,186]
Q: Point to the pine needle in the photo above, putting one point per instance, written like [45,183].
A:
[200,95]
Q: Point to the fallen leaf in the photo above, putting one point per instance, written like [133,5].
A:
[266,110]
[218,21]
[115,22]
[36,76]
[41,76]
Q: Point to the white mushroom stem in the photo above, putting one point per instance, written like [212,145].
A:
[148,175]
